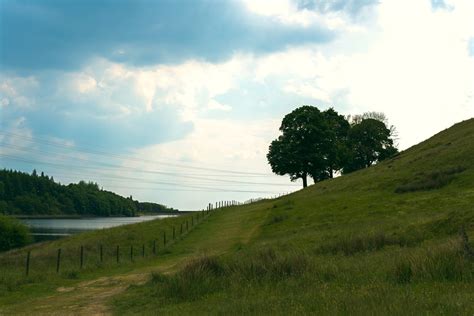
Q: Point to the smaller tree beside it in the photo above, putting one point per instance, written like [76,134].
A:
[369,142]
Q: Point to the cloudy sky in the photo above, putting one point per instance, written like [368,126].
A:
[177,101]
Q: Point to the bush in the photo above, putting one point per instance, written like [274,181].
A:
[13,233]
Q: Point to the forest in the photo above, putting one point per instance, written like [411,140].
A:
[38,194]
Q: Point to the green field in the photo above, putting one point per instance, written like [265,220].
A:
[395,238]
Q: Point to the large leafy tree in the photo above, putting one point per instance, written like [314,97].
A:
[369,141]
[336,154]
[301,149]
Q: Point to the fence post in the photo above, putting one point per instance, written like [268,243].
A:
[154,247]
[58,260]
[180,229]
[28,263]
[192,220]
[164,239]
[174,233]
[101,253]
[82,256]
[187,225]
[143,250]
[131,253]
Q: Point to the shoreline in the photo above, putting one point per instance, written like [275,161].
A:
[59,216]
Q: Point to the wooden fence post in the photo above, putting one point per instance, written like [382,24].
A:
[82,256]
[174,233]
[28,263]
[118,254]
[131,253]
[181,229]
[164,239]
[143,251]
[101,249]
[58,260]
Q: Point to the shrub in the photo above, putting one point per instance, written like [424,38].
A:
[13,233]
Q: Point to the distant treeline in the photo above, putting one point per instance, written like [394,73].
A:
[32,194]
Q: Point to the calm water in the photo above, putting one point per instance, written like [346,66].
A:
[51,228]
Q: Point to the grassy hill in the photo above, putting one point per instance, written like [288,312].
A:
[393,238]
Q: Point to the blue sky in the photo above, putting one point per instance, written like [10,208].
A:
[198,88]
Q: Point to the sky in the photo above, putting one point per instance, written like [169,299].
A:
[176,102]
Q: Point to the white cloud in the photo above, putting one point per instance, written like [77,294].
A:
[307,90]
[287,12]
[214,105]
[85,83]
[17,91]
[4,102]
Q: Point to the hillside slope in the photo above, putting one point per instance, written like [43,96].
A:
[390,239]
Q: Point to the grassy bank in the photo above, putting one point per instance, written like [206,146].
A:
[395,238]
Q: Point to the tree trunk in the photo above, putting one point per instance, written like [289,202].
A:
[305,180]
[331,173]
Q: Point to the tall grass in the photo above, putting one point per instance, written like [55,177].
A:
[430,181]
[450,261]
[353,244]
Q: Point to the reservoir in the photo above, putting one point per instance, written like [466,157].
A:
[53,228]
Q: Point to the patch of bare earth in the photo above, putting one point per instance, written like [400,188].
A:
[87,298]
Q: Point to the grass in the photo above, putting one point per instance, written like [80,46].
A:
[350,245]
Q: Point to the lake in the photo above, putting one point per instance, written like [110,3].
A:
[53,228]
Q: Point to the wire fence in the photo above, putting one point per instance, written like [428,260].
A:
[73,257]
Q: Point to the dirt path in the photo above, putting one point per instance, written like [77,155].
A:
[217,236]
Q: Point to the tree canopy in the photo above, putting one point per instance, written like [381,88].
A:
[369,141]
[25,194]
[298,152]
[320,144]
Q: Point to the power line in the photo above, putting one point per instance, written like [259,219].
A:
[108,154]
[139,179]
[181,190]
[111,166]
